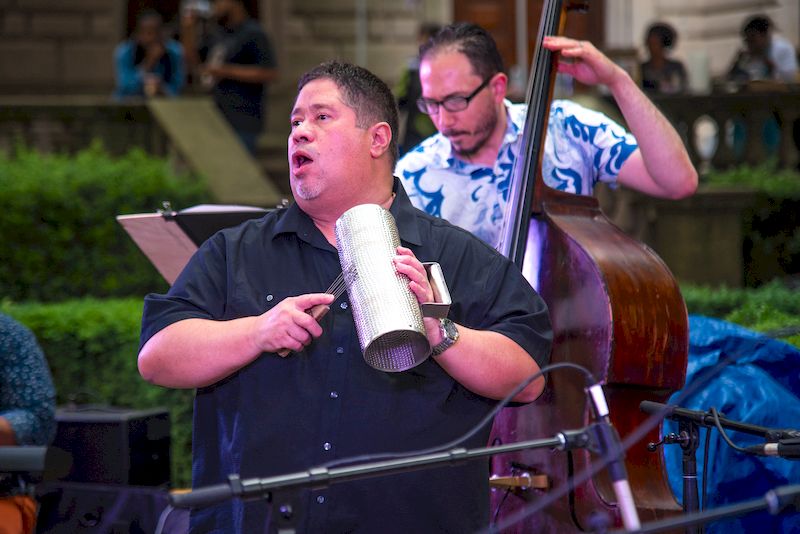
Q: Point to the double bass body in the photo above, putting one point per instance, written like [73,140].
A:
[616,310]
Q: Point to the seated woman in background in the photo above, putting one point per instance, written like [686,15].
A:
[659,73]
[148,64]
[27,415]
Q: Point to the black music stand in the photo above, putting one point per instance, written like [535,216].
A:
[169,238]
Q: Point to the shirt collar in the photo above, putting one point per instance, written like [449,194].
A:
[405,215]
[296,221]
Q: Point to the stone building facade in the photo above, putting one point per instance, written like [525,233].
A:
[58,46]
[65,47]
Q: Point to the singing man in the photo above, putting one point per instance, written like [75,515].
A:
[243,297]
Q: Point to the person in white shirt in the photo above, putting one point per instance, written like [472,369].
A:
[462,173]
[766,56]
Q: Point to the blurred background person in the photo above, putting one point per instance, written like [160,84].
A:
[148,64]
[766,55]
[27,414]
[414,125]
[659,73]
[235,61]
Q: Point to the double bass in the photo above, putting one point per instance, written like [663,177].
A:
[615,309]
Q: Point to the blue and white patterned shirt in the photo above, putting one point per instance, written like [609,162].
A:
[27,397]
[582,147]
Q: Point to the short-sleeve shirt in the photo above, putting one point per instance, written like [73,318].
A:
[281,415]
[242,103]
[582,147]
[27,396]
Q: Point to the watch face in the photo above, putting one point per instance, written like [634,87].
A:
[449,336]
[450,329]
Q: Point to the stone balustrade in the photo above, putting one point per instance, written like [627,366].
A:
[728,129]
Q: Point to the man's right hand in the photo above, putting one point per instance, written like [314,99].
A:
[288,325]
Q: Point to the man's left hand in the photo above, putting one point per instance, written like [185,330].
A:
[406,263]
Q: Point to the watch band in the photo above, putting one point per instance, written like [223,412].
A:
[449,336]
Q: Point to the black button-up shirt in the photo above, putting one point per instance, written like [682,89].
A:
[280,415]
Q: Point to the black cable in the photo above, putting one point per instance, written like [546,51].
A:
[483,422]
[499,506]
[724,435]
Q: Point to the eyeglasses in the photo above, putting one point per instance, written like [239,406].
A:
[451,103]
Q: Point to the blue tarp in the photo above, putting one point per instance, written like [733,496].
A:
[760,386]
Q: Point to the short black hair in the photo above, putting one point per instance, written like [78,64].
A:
[665,33]
[365,93]
[472,41]
[757,24]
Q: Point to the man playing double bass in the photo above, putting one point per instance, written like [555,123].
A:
[463,173]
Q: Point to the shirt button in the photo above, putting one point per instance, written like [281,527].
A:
[320,499]
[334,395]
[343,305]
[327,446]
[339,350]
[269,298]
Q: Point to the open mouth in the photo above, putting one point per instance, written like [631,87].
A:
[300,159]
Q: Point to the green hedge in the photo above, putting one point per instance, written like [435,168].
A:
[768,308]
[60,236]
[91,346]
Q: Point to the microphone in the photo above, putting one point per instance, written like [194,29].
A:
[785,448]
[609,446]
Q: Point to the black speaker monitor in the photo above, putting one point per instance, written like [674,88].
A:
[115,445]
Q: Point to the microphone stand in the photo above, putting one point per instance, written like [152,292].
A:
[280,490]
[691,500]
[774,501]
[701,418]
[689,423]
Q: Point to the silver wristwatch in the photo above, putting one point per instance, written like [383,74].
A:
[449,336]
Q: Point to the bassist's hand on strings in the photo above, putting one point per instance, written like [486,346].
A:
[585,63]
[660,166]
